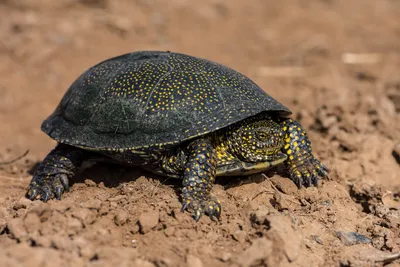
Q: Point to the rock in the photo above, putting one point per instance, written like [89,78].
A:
[121,217]
[148,221]
[193,261]
[352,238]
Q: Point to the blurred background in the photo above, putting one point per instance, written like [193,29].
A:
[335,63]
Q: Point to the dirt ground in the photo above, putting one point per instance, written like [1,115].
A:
[335,63]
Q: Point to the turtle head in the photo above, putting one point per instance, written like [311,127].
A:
[256,139]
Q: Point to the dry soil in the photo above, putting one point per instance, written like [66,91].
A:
[335,63]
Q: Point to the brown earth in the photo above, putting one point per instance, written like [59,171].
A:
[335,63]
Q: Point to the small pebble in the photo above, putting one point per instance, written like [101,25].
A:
[352,238]
[318,239]
[90,183]
[225,256]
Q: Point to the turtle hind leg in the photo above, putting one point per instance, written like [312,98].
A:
[304,168]
[51,178]
[198,179]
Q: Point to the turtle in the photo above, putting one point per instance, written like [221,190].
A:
[174,115]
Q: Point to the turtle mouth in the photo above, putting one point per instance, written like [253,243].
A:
[264,154]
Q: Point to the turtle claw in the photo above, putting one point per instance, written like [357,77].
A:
[46,195]
[65,183]
[58,192]
[184,206]
[198,207]
[307,174]
[32,194]
[47,187]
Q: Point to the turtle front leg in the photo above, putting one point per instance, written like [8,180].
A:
[303,167]
[52,176]
[198,179]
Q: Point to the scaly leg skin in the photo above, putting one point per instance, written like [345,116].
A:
[198,179]
[52,176]
[303,167]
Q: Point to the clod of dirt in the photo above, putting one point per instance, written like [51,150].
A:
[396,152]
[225,256]
[193,261]
[92,204]
[352,238]
[38,257]
[240,236]
[121,217]
[285,236]
[285,185]
[260,215]
[23,203]
[3,218]
[148,221]
[390,201]
[318,239]
[260,252]
[16,228]
[142,263]
[367,193]
[32,222]
[394,96]
[86,216]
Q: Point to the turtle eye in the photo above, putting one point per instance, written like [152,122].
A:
[262,136]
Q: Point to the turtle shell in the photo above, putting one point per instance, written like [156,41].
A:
[152,98]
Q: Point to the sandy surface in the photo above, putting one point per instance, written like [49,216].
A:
[335,63]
